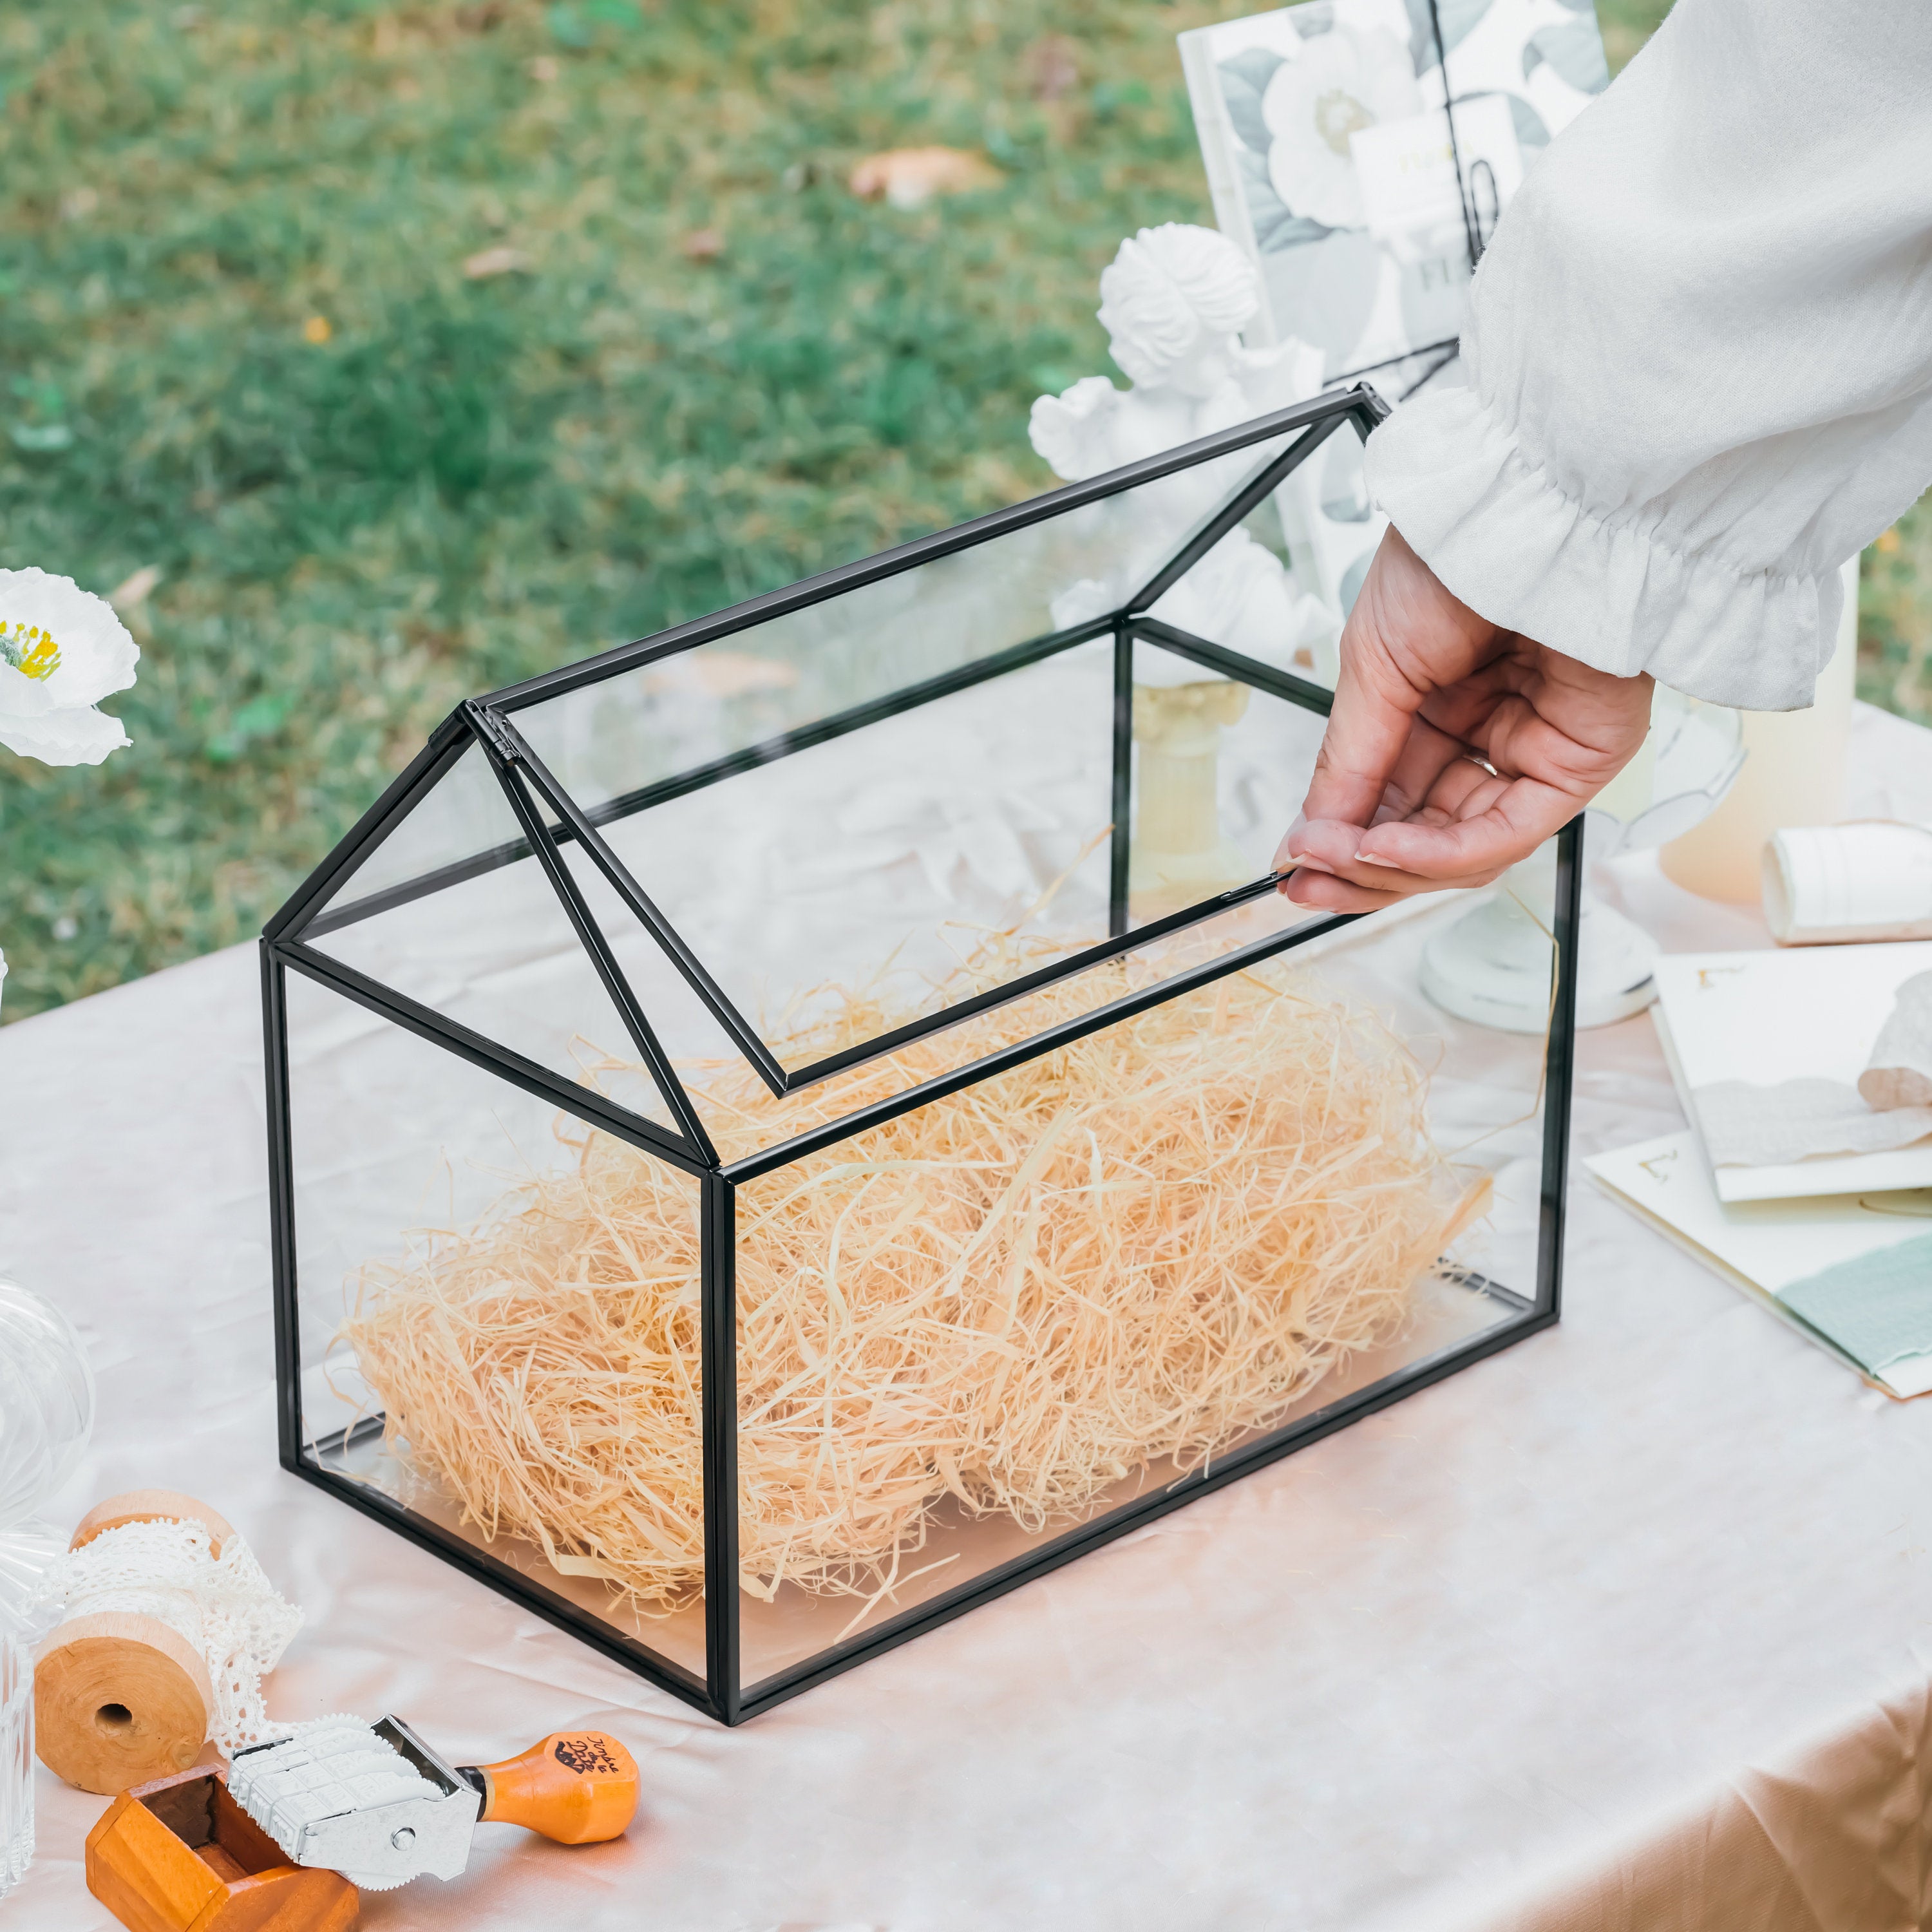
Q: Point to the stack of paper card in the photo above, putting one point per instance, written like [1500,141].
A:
[1806,1178]
[1852,1271]
[1772,1054]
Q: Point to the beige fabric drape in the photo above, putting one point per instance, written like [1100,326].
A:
[1835,1836]
[1625,1630]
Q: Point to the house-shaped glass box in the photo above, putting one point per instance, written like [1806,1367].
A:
[783,1131]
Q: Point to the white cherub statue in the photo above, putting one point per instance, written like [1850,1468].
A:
[1173,302]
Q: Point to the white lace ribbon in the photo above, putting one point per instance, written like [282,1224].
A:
[223,1608]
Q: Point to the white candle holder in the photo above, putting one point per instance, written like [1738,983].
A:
[1494,964]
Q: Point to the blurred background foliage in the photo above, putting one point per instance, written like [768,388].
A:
[401,350]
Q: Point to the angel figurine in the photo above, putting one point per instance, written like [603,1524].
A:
[1173,302]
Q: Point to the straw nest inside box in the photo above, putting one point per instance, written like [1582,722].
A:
[1137,1247]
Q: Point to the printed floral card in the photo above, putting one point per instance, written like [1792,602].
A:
[1329,158]
[1331,161]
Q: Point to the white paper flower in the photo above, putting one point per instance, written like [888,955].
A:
[1340,82]
[62,649]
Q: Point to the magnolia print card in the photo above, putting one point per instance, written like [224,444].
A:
[1329,159]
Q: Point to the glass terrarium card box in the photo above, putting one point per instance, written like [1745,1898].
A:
[783,1131]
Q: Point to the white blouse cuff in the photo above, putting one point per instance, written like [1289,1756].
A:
[1609,591]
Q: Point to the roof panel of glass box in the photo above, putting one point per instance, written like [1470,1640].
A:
[450,911]
[629,730]
[891,800]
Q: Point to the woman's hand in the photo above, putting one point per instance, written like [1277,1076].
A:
[1454,749]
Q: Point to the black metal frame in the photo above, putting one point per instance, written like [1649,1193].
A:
[530,787]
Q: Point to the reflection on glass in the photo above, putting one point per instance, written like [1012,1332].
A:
[1036,1163]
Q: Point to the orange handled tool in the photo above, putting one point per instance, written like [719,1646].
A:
[378,1804]
[577,1787]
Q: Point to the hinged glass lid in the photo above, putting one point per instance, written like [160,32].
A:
[879,802]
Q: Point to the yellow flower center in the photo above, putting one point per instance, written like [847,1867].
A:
[1337,115]
[29,650]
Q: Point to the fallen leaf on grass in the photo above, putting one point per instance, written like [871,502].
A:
[134,590]
[130,599]
[910,177]
[1052,67]
[487,262]
[703,244]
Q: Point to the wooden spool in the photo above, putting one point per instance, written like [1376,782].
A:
[120,1699]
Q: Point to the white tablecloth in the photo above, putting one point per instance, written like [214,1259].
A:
[1535,1647]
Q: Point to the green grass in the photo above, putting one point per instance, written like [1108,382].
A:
[470,480]
[1627,25]
[1895,617]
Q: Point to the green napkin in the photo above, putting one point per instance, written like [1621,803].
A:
[1878,1308]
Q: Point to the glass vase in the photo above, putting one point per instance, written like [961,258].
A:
[47,1414]
[16,1760]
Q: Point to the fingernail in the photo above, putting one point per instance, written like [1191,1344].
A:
[1300,822]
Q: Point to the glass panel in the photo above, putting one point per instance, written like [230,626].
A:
[495,951]
[861,884]
[1245,595]
[965,1332]
[640,728]
[1220,769]
[831,893]
[475,1347]
[461,818]
[745,1118]
[1332,530]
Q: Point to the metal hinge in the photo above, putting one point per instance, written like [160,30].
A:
[491,728]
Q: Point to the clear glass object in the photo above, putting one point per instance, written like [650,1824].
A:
[46,1415]
[783,1131]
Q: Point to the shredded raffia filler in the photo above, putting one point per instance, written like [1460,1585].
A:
[1135,1248]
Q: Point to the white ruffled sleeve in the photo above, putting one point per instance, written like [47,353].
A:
[1700,360]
